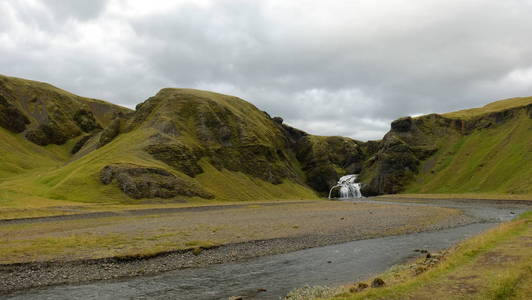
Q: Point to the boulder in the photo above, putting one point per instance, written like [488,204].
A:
[359,287]
[377,282]
[278,120]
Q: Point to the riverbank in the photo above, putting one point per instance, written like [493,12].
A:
[100,247]
[481,198]
[494,265]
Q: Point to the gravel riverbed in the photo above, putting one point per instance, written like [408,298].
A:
[329,223]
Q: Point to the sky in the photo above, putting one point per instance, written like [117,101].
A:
[328,67]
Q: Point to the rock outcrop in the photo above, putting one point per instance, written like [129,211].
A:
[325,159]
[145,182]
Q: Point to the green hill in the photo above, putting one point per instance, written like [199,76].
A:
[480,150]
[192,145]
[180,144]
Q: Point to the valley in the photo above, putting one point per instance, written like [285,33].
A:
[193,181]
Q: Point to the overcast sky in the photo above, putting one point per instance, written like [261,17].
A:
[328,67]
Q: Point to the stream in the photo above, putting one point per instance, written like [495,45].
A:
[272,277]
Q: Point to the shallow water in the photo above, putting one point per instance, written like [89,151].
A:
[278,274]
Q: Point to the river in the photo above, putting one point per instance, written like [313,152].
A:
[278,274]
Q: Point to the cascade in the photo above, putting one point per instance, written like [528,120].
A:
[348,187]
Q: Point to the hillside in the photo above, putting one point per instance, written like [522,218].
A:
[193,145]
[480,150]
[180,144]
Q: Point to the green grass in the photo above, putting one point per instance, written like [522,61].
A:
[51,172]
[491,161]
[467,264]
[489,108]
[496,161]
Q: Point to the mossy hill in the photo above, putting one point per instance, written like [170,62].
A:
[184,144]
[180,144]
[480,150]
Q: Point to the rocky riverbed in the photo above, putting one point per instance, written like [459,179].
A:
[271,229]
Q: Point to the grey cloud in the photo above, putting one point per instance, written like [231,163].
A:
[78,9]
[339,68]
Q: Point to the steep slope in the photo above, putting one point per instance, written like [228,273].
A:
[179,144]
[184,144]
[325,159]
[486,150]
[47,115]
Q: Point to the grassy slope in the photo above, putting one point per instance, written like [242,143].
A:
[493,161]
[493,265]
[490,107]
[20,156]
[79,180]
[30,171]
[52,174]
[55,100]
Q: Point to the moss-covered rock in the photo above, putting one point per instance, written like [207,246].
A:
[325,159]
[86,121]
[144,182]
[109,133]
[177,156]
[391,169]
[47,134]
[79,144]
[402,124]
[12,119]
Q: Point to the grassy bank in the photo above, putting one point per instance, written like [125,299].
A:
[493,265]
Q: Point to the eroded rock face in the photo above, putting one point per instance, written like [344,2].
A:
[402,124]
[109,133]
[12,119]
[177,156]
[393,166]
[47,134]
[144,182]
[259,161]
[86,121]
[325,159]
[80,144]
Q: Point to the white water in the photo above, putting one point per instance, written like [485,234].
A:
[348,186]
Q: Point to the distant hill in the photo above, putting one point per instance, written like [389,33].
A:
[184,144]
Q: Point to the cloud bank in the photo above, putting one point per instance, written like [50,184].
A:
[330,68]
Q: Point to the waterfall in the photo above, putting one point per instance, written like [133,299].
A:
[348,186]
